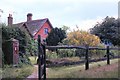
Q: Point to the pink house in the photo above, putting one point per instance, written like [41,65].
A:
[34,27]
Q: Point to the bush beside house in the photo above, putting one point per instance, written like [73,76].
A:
[22,36]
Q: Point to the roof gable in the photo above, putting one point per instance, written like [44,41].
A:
[35,25]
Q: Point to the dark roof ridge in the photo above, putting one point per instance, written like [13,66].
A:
[37,20]
[31,21]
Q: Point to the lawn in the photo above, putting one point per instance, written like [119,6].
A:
[78,71]
[16,72]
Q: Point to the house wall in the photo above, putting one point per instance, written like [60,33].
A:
[41,31]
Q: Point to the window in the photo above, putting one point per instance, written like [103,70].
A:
[45,30]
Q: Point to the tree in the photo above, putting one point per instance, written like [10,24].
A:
[55,36]
[66,28]
[32,47]
[81,38]
[108,30]
[17,33]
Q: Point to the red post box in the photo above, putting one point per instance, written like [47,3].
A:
[11,51]
[15,51]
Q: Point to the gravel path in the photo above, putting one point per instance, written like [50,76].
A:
[34,75]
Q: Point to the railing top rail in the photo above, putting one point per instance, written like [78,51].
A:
[115,48]
[79,47]
[96,48]
[65,47]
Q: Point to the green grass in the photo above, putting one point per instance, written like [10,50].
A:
[79,72]
[101,63]
[12,72]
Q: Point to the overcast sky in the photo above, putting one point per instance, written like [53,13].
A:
[83,13]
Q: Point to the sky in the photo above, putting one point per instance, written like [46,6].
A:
[83,13]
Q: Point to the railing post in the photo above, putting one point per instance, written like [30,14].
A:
[39,55]
[108,55]
[44,50]
[87,58]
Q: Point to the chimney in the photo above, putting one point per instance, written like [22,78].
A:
[29,17]
[10,20]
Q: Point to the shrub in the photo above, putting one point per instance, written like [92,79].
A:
[19,34]
[66,53]
[60,53]
[80,52]
[51,55]
[81,38]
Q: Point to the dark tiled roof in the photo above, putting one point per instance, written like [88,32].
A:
[34,25]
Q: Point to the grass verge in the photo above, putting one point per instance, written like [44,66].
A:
[78,71]
[13,72]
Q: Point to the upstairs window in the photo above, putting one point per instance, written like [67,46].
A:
[45,30]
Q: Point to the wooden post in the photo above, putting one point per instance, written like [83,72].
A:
[108,55]
[86,58]
[44,49]
[39,55]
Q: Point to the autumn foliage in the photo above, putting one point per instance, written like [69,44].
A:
[81,38]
